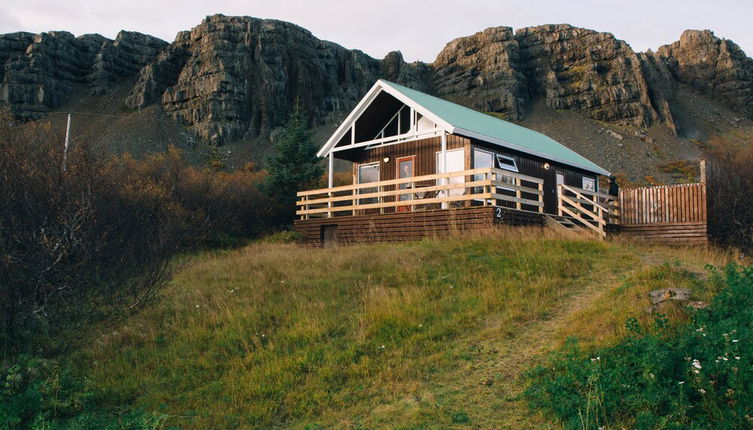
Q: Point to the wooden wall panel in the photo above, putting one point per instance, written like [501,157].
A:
[412,225]
[534,166]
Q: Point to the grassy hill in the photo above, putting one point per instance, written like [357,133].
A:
[432,334]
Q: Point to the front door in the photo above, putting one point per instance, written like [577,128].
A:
[560,181]
[455,163]
[405,166]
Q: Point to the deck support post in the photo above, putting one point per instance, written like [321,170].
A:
[444,181]
[330,180]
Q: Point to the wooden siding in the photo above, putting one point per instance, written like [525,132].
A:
[534,166]
[424,150]
[397,227]
[667,234]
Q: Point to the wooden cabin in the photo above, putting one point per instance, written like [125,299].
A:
[423,166]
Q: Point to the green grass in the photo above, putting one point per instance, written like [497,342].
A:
[422,335]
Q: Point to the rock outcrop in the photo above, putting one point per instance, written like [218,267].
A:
[40,72]
[236,77]
[482,71]
[576,68]
[716,68]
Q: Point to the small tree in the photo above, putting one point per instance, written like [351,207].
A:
[293,165]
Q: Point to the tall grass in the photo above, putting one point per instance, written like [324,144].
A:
[368,336]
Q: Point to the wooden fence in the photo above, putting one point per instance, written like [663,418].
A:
[675,214]
[666,204]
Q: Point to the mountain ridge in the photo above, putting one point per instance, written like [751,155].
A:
[232,79]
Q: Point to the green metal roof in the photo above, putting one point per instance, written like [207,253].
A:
[471,123]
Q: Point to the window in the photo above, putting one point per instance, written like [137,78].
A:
[507,163]
[368,173]
[481,159]
[589,184]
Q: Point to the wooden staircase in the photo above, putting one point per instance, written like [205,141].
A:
[568,226]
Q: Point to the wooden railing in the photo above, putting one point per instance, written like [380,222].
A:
[475,187]
[592,209]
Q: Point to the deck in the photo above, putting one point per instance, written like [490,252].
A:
[439,204]
[472,200]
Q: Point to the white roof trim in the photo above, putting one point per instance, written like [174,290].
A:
[378,87]
[515,147]
[381,85]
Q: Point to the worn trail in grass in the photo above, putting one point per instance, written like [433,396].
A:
[423,335]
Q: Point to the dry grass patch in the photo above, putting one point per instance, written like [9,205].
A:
[414,335]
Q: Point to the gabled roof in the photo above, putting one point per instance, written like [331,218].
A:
[456,119]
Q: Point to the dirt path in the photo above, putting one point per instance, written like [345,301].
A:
[494,377]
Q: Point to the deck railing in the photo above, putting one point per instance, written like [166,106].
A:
[592,209]
[475,187]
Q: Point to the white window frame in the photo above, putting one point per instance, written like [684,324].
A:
[590,179]
[368,190]
[501,157]
[506,165]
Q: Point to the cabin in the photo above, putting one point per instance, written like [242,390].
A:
[423,166]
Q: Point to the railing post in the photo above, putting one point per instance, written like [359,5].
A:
[541,197]
[560,191]
[329,204]
[518,194]
[354,202]
[306,206]
[381,198]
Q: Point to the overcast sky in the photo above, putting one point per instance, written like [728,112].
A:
[419,29]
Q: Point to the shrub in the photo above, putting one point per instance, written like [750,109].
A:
[94,240]
[698,376]
[730,196]
[38,394]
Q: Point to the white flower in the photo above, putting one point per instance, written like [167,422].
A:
[702,391]
[696,363]
[735,340]
[737,358]
[198,306]
[681,382]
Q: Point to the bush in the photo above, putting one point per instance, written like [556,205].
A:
[95,240]
[730,196]
[699,376]
[38,394]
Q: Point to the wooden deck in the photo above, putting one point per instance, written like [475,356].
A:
[396,227]
[471,200]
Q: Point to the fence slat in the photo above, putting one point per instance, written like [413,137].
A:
[663,205]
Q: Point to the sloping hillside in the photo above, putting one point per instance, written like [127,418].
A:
[433,334]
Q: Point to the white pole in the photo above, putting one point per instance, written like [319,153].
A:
[331,179]
[445,181]
[67,139]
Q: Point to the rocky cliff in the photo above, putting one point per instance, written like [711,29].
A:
[41,72]
[716,68]
[236,77]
